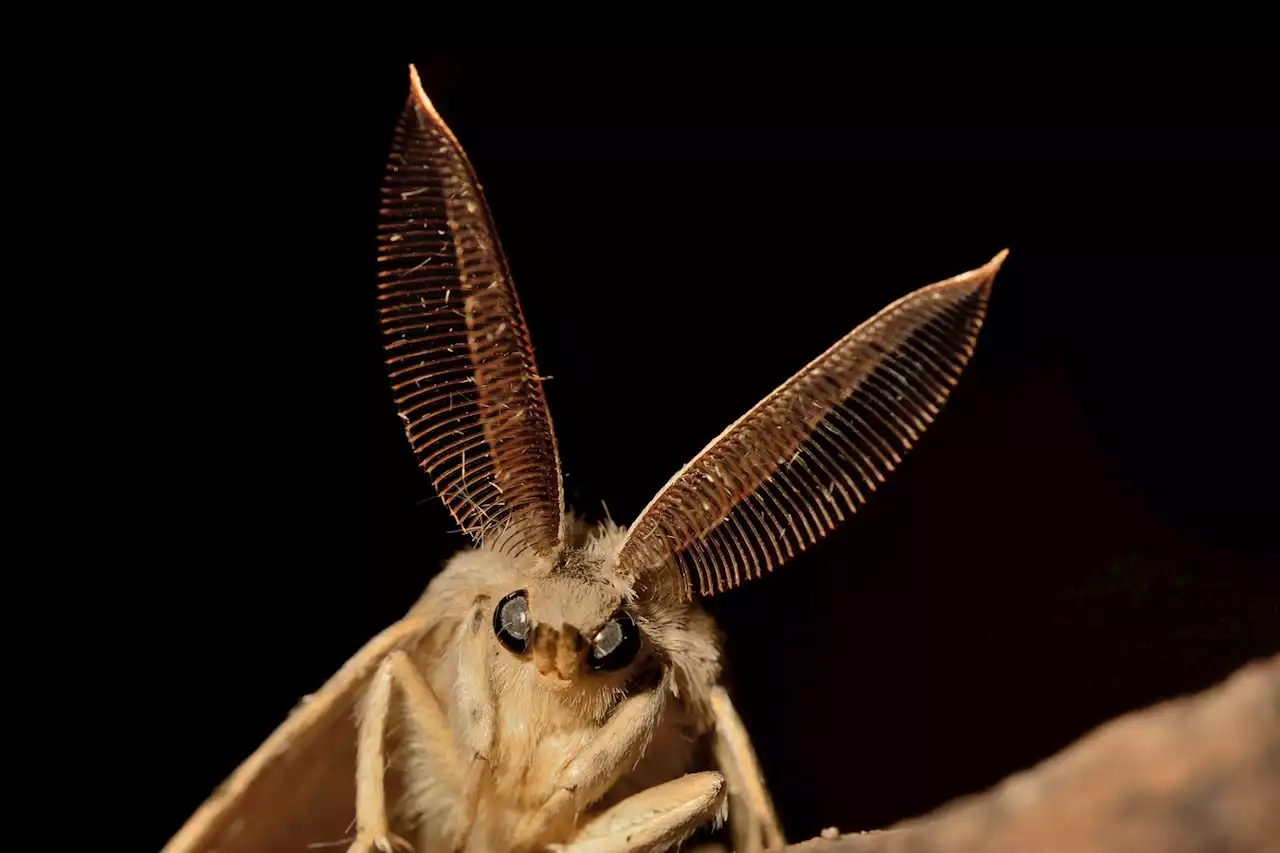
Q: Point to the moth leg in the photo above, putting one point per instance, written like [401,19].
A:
[473,697]
[588,776]
[437,756]
[372,831]
[654,820]
[752,820]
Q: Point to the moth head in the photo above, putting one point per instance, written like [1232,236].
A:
[569,630]
[571,617]
[607,641]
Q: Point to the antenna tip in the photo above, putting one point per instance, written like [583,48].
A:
[419,97]
[415,88]
[979,278]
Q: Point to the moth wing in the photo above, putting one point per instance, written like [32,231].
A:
[297,791]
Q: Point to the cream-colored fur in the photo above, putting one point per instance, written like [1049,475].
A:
[603,737]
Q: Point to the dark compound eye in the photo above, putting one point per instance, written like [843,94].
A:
[616,644]
[511,621]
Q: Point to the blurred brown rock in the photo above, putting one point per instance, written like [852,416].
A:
[1200,774]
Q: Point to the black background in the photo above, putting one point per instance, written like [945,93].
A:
[1086,530]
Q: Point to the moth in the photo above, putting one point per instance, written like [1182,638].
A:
[558,685]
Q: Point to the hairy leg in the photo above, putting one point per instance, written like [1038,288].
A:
[372,831]
[653,820]
[474,701]
[752,820]
[586,777]
[435,765]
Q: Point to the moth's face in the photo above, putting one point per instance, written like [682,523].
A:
[569,628]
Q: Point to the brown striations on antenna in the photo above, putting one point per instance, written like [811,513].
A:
[786,473]
[459,356]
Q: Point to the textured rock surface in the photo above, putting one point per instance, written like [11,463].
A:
[1199,774]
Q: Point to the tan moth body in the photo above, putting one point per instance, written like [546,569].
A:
[558,685]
